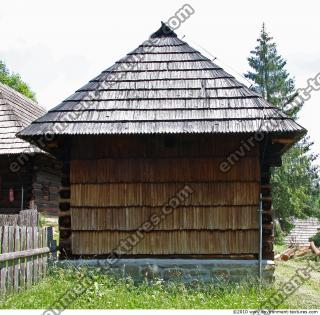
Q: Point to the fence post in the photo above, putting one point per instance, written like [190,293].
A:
[23,261]
[17,263]
[4,249]
[3,265]
[51,243]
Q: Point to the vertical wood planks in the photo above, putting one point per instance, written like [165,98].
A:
[40,257]
[2,264]
[45,258]
[29,259]
[23,265]
[10,268]
[17,263]
[4,249]
[35,258]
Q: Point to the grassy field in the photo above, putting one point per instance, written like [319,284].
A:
[308,295]
[107,293]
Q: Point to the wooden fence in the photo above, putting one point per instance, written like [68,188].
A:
[28,217]
[24,252]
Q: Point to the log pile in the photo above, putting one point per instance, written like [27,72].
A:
[314,249]
[298,251]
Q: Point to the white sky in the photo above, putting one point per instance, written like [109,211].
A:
[58,46]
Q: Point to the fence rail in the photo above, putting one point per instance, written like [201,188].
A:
[24,255]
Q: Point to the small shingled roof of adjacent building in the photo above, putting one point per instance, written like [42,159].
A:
[163,87]
[16,113]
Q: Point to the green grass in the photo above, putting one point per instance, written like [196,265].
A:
[278,249]
[307,296]
[108,293]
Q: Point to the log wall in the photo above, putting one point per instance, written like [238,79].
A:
[40,176]
[14,181]
[116,184]
[267,217]
[46,183]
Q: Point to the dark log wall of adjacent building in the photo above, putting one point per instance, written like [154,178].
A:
[114,184]
[46,183]
[40,177]
[12,183]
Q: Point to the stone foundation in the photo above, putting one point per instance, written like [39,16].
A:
[186,270]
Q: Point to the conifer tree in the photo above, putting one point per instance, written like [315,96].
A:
[296,183]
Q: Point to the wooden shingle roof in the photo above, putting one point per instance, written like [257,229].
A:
[163,86]
[16,112]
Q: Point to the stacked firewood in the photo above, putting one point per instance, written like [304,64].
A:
[298,251]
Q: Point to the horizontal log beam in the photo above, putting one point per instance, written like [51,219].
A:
[283,140]
[171,256]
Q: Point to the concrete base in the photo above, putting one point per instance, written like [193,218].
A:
[186,270]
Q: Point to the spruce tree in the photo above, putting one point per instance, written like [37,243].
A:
[296,183]
[269,76]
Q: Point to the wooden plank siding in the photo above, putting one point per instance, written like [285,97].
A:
[161,170]
[87,147]
[182,218]
[156,194]
[168,242]
[129,180]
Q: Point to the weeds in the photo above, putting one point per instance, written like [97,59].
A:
[108,292]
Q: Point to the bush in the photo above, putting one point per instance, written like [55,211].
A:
[278,233]
[315,239]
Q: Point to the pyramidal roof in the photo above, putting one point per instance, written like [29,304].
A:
[163,86]
[16,112]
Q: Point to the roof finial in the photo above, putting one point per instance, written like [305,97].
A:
[164,31]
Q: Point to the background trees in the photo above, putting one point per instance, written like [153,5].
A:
[14,81]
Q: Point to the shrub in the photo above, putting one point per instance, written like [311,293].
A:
[316,239]
[278,234]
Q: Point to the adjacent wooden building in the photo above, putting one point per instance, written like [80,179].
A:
[162,118]
[29,177]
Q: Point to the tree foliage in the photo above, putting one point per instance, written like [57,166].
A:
[296,183]
[14,81]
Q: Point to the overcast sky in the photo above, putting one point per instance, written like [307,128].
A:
[57,46]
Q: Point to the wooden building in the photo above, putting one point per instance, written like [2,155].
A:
[162,118]
[29,177]
[302,231]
